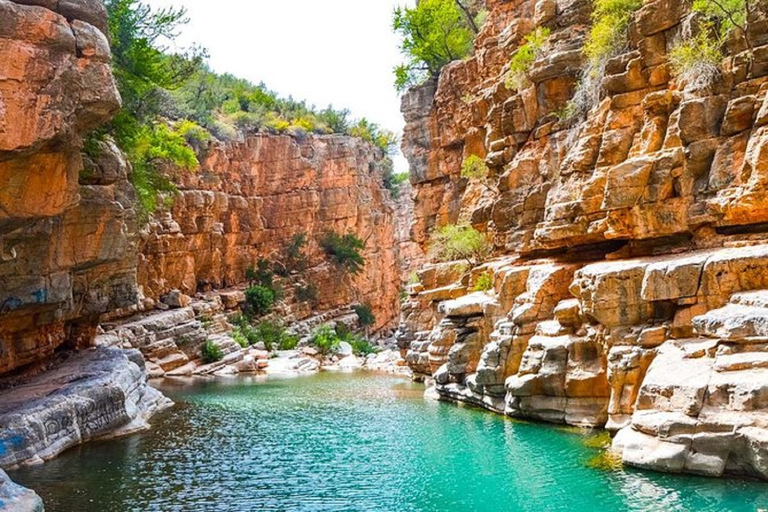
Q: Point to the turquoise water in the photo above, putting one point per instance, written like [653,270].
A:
[356,442]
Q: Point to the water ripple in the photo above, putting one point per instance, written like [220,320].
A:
[354,443]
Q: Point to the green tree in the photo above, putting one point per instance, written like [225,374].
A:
[434,33]
[459,242]
[144,72]
[344,251]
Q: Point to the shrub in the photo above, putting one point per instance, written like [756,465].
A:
[240,338]
[275,336]
[696,62]
[524,57]
[474,168]
[295,258]
[459,241]
[362,347]
[484,283]
[413,278]
[193,133]
[259,299]
[211,352]
[307,293]
[434,33]
[365,316]
[325,340]
[610,19]
[344,251]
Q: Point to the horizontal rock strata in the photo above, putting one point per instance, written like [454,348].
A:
[631,260]
[100,392]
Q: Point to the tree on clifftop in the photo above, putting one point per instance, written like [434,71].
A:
[434,33]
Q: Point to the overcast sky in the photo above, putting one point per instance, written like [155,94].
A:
[338,52]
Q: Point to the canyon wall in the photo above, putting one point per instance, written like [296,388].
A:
[66,250]
[72,252]
[248,200]
[630,274]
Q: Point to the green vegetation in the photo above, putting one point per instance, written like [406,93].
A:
[173,104]
[608,36]
[522,60]
[144,75]
[433,33]
[610,19]
[307,293]
[365,316]
[459,242]
[696,61]
[259,300]
[327,340]
[413,278]
[393,182]
[484,283]
[274,335]
[295,258]
[211,352]
[344,251]
[475,168]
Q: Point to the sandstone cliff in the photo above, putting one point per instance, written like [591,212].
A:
[67,254]
[247,201]
[631,272]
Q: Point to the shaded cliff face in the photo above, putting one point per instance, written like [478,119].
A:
[66,250]
[631,273]
[250,198]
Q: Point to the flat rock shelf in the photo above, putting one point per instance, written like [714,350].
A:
[356,441]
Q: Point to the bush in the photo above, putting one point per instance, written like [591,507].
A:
[259,300]
[365,316]
[275,336]
[434,33]
[362,347]
[524,57]
[474,168]
[193,133]
[344,251]
[459,241]
[325,340]
[610,19]
[211,352]
[295,258]
[484,283]
[307,293]
[696,62]
[608,36]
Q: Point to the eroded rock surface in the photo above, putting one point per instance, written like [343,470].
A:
[15,498]
[250,198]
[97,393]
[629,289]
[67,252]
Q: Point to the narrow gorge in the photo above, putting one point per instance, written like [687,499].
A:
[582,241]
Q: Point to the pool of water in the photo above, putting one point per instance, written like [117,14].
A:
[356,442]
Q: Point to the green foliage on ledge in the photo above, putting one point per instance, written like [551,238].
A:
[433,33]
[344,251]
[211,352]
[459,242]
[523,59]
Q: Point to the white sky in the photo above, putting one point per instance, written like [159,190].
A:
[338,52]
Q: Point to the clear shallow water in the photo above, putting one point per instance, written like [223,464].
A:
[356,442]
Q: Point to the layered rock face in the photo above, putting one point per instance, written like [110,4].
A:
[100,392]
[66,252]
[629,288]
[250,198]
